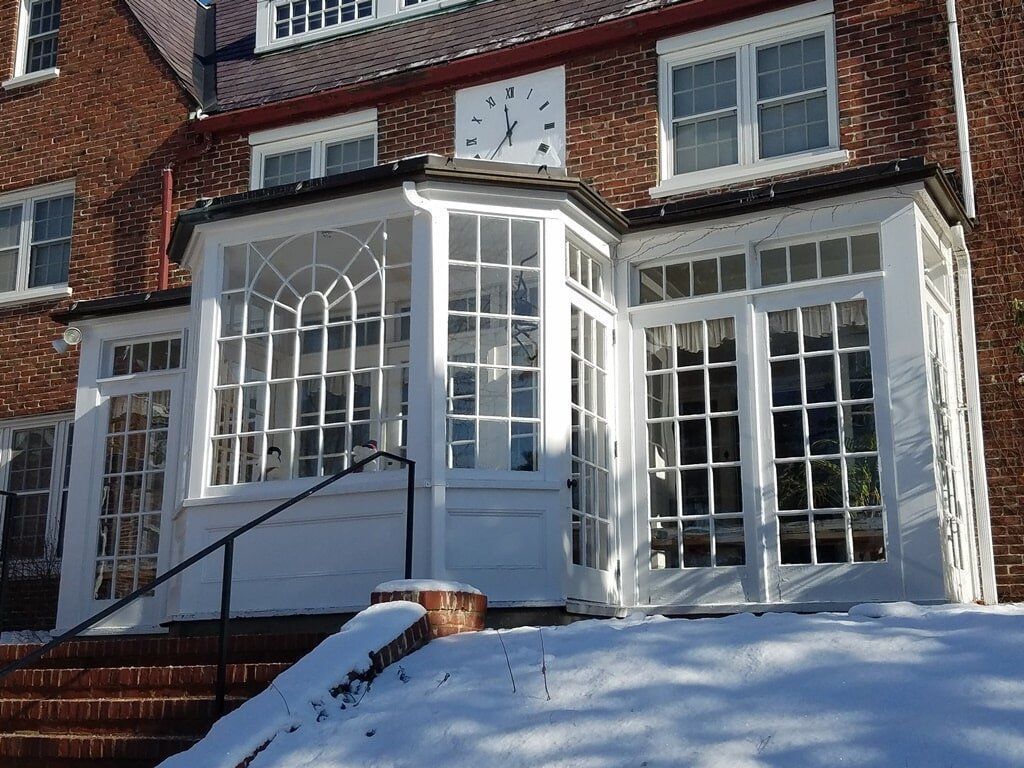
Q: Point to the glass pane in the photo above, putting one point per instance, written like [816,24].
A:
[677,280]
[730,548]
[773,267]
[830,538]
[794,540]
[866,253]
[664,545]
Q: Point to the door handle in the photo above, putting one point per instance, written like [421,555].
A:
[572,482]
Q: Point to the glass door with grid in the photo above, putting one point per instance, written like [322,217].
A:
[694,435]
[137,466]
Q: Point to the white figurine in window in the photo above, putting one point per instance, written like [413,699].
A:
[363,452]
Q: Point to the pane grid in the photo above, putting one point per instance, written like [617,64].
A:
[30,474]
[50,247]
[43,27]
[135,460]
[699,277]
[295,17]
[313,353]
[792,97]
[704,115]
[815,260]
[585,268]
[693,454]
[494,343]
[352,155]
[825,447]
[146,356]
[591,517]
[287,167]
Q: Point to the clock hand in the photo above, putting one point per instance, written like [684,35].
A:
[508,126]
[507,137]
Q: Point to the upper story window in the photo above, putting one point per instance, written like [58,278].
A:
[311,150]
[35,240]
[585,268]
[35,56]
[759,101]
[282,23]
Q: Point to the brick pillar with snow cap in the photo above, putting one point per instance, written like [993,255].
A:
[452,608]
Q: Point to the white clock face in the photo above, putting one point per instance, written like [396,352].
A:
[518,120]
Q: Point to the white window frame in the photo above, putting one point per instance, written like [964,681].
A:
[315,136]
[20,76]
[384,12]
[742,39]
[61,424]
[28,198]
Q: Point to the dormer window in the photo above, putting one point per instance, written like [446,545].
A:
[281,23]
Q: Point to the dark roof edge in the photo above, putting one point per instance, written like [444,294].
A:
[808,189]
[125,304]
[204,64]
[416,169]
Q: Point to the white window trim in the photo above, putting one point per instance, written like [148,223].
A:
[61,422]
[384,12]
[314,135]
[21,77]
[742,39]
[27,198]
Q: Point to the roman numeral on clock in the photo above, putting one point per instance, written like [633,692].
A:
[543,148]
[510,92]
[491,102]
[549,126]
[471,142]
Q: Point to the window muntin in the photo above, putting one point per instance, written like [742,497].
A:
[792,97]
[825,447]
[816,259]
[494,336]
[324,154]
[587,269]
[295,17]
[313,352]
[693,453]
[704,115]
[591,471]
[134,468]
[35,241]
[41,35]
[762,99]
[145,356]
[696,277]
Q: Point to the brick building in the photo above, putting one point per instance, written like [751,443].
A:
[756,216]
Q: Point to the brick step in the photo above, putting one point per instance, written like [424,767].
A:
[190,716]
[28,750]
[154,650]
[137,682]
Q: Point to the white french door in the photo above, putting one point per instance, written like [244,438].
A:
[694,433]
[593,573]
[135,467]
[763,436]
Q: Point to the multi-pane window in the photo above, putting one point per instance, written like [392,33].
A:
[132,499]
[494,326]
[30,476]
[693,453]
[145,356]
[698,277]
[825,447]
[704,115]
[296,17]
[41,35]
[822,258]
[313,158]
[588,270]
[591,509]
[792,97]
[313,352]
[35,241]
[745,103]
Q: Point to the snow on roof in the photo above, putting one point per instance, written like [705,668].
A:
[932,687]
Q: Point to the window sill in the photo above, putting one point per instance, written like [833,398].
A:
[20,81]
[32,295]
[282,490]
[717,177]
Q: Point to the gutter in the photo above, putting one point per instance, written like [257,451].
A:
[536,54]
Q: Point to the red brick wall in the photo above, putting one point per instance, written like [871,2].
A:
[992,36]
[111,121]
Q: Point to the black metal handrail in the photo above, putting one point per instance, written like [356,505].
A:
[227,542]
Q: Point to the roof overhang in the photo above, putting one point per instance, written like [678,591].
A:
[517,56]
[424,168]
[806,190]
[126,304]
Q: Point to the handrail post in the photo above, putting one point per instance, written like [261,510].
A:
[5,535]
[410,494]
[225,614]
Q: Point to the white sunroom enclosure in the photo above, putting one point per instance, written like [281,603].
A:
[764,410]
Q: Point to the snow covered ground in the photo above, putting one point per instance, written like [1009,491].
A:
[899,687]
